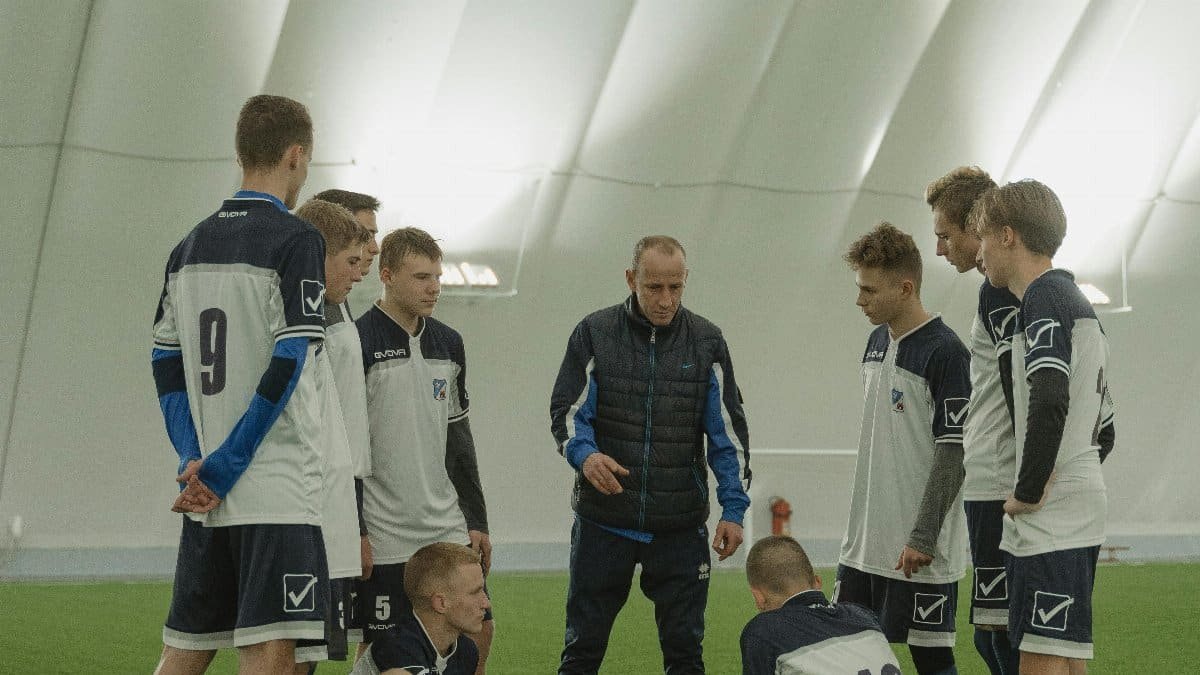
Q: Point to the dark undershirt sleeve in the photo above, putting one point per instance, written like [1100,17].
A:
[1006,383]
[358,498]
[1106,440]
[463,469]
[1049,400]
[945,480]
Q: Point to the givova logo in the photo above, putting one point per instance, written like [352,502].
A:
[1040,335]
[299,594]
[1002,322]
[956,411]
[312,297]
[1050,610]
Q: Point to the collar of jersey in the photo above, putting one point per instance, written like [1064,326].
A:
[251,194]
[813,596]
[436,652]
[933,316]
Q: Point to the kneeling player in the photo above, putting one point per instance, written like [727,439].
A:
[1063,423]
[798,631]
[444,583]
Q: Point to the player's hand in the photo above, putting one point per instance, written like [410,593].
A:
[368,558]
[727,539]
[481,543]
[911,560]
[602,471]
[1016,507]
[195,496]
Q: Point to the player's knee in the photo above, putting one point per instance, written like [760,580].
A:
[933,660]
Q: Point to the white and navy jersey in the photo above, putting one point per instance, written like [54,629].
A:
[345,355]
[409,648]
[246,281]
[989,448]
[809,636]
[917,393]
[1057,328]
[416,388]
[339,511]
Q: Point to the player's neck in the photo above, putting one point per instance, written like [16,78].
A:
[1026,269]
[913,315]
[408,321]
[441,634]
[273,183]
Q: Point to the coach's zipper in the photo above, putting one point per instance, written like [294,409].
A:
[699,483]
[646,444]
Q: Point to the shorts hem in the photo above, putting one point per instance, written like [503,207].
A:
[312,654]
[1039,644]
[284,630]
[989,617]
[197,642]
[354,635]
[929,638]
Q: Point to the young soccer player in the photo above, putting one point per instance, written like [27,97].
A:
[238,327]
[988,443]
[798,632]
[424,486]
[444,585]
[903,552]
[344,241]
[364,207]
[1064,428]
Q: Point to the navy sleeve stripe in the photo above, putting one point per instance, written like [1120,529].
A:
[277,378]
[168,375]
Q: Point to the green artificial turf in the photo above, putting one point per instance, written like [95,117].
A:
[1145,621]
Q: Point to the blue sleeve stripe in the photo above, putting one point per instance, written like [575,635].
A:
[226,464]
[581,437]
[725,451]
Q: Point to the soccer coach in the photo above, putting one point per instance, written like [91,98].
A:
[642,385]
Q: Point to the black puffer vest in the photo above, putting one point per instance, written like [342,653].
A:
[652,386]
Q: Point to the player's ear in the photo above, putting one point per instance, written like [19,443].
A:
[760,599]
[816,582]
[439,603]
[631,280]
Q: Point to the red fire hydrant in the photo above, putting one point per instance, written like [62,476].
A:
[781,516]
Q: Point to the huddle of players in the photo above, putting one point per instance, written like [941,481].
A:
[320,455]
[1018,425]
[341,415]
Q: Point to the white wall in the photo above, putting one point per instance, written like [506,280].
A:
[765,135]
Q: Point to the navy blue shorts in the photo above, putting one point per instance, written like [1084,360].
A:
[989,588]
[1052,602]
[246,584]
[334,646]
[381,599]
[921,615]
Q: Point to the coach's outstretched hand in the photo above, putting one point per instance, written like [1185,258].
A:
[602,471]
[727,539]
[195,497]
[911,560]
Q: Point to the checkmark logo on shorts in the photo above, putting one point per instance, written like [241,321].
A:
[1050,610]
[928,608]
[298,592]
[990,583]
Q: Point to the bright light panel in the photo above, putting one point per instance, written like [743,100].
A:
[1094,295]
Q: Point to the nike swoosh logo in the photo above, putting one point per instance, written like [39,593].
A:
[929,610]
[987,588]
[1046,616]
[303,592]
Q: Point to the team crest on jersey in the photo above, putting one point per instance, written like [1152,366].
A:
[1050,610]
[439,390]
[929,608]
[1040,335]
[1002,322]
[956,411]
[312,297]
[897,400]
